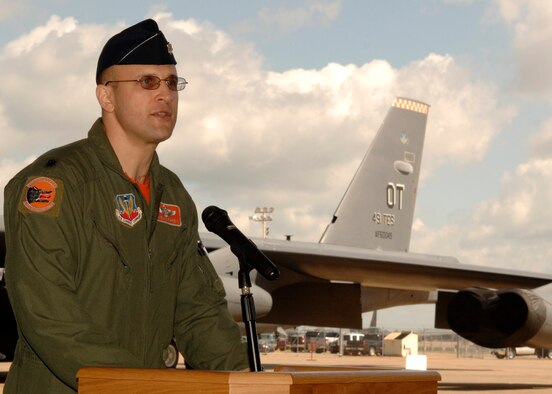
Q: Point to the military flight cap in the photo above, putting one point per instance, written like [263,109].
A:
[142,43]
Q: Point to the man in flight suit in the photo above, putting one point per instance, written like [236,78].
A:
[103,263]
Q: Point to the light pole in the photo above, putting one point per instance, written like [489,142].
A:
[263,215]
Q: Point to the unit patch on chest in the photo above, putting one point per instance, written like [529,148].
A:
[127,212]
[170,214]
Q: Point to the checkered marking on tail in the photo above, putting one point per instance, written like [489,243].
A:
[411,105]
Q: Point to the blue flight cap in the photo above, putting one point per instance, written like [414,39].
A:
[142,43]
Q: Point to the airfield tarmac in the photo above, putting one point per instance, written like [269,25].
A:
[522,375]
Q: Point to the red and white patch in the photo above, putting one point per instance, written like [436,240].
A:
[170,214]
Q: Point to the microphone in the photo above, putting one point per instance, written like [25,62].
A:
[217,221]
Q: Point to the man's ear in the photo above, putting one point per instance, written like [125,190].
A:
[105,97]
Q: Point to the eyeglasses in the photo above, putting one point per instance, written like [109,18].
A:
[151,82]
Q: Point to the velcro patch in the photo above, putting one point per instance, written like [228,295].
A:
[127,211]
[41,195]
[170,214]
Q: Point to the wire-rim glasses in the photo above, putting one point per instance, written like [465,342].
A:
[152,82]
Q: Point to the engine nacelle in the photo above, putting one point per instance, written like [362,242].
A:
[503,318]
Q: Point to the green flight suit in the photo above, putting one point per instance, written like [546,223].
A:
[97,277]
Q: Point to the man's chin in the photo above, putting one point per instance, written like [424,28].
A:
[164,130]
[164,136]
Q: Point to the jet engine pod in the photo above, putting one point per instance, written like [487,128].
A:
[496,319]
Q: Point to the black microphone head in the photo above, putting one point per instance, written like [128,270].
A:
[211,215]
[217,221]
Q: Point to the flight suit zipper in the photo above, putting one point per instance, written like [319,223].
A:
[150,217]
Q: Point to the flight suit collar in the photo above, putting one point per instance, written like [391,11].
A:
[103,148]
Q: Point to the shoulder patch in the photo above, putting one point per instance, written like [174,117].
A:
[170,214]
[41,195]
[127,211]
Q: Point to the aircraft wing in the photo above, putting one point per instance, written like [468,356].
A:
[398,270]
[389,269]
[331,285]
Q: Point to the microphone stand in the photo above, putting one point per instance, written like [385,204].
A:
[249,316]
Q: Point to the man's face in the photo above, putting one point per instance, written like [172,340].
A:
[146,116]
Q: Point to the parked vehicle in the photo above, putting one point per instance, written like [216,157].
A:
[331,337]
[267,342]
[373,341]
[296,342]
[512,352]
[359,343]
[353,343]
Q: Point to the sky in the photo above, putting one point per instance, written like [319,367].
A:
[284,98]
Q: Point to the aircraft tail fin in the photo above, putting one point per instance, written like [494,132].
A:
[377,209]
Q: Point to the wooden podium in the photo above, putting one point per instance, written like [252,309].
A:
[283,380]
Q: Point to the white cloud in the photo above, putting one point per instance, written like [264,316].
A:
[540,144]
[37,36]
[511,230]
[531,25]
[465,114]
[247,136]
[311,13]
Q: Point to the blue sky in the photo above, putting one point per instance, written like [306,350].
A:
[398,31]
[285,96]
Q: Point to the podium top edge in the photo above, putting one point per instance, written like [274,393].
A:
[278,377]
